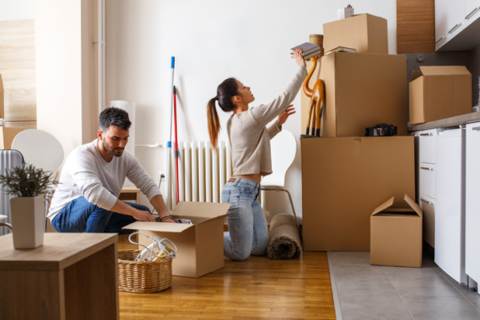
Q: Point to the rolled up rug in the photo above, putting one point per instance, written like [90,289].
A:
[284,238]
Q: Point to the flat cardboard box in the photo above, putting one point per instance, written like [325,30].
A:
[7,135]
[361,90]
[439,92]
[396,235]
[363,32]
[344,179]
[200,246]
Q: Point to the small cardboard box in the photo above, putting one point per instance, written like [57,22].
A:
[363,32]
[396,235]
[361,90]
[439,92]
[199,245]
[7,135]
[343,179]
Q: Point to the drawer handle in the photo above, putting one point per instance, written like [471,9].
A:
[440,40]
[427,134]
[430,203]
[476,128]
[426,168]
[472,13]
[454,28]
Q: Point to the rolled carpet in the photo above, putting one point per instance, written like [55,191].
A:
[284,238]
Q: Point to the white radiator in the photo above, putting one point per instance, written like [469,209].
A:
[202,172]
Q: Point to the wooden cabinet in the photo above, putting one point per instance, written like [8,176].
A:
[472,201]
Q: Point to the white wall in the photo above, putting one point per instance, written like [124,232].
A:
[17,10]
[64,43]
[212,40]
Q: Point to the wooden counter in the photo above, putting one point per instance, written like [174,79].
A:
[449,122]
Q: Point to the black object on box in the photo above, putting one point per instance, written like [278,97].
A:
[381,129]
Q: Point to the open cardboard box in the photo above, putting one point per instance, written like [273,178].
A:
[439,92]
[396,235]
[199,245]
[365,33]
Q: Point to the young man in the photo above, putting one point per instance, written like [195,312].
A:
[86,199]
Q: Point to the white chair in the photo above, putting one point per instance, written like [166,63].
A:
[284,148]
[43,150]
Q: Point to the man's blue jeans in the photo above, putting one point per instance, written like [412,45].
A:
[248,231]
[83,216]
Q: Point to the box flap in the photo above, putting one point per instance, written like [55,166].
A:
[416,74]
[444,70]
[383,206]
[413,205]
[158,226]
[459,70]
[206,210]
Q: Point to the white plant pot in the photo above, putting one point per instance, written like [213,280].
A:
[28,221]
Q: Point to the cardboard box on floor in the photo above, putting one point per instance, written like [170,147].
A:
[363,32]
[200,246]
[344,179]
[439,92]
[396,235]
[361,90]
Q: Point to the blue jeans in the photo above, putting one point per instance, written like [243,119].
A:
[248,231]
[83,216]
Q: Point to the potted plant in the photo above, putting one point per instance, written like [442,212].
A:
[29,185]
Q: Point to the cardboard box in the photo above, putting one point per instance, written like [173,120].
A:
[363,32]
[344,179]
[396,235]
[440,92]
[7,135]
[361,90]
[200,246]
[2,99]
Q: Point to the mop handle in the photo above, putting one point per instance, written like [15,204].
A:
[176,139]
[169,145]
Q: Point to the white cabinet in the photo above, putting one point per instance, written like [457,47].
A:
[472,202]
[472,10]
[457,24]
[449,202]
[426,181]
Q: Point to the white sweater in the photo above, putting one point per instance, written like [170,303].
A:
[87,174]
[249,136]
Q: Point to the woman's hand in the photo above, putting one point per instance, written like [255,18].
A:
[282,117]
[299,58]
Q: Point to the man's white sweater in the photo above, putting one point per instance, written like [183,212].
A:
[86,174]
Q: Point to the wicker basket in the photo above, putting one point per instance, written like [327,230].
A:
[142,276]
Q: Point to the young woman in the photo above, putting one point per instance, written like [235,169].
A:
[251,158]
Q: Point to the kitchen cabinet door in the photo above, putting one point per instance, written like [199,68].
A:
[449,203]
[472,202]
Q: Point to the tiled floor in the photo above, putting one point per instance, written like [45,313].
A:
[366,292]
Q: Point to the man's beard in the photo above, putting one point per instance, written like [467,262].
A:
[112,151]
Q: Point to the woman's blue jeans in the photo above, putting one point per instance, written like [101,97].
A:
[83,216]
[248,231]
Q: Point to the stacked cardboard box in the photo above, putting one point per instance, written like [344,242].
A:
[345,175]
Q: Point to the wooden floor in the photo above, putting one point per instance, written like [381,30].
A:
[258,288]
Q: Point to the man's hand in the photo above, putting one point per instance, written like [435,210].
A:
[143,216]
[282,117]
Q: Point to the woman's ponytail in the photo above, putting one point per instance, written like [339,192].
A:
[213,122]
[225,92]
